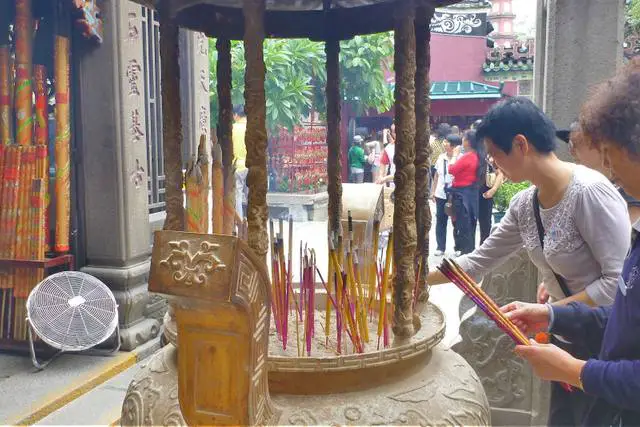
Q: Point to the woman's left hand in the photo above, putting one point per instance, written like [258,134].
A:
[551,363]
[489,194]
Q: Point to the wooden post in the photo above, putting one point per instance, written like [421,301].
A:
[171,120]
[334,150]
[404,219]
[224,131]
[423,149]
[256,135]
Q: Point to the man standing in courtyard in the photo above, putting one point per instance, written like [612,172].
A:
[239,155]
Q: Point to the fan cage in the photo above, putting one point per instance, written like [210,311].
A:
[72,311]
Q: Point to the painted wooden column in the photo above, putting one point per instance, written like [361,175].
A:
[171,120]
[423,149]
[404,219]
[334,149]
[256,134]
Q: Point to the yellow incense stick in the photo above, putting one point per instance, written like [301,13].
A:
[385,283]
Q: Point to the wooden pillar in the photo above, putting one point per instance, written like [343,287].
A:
[423,149]
[334,155]
[256,134]
[171,120]
[225,107]
[404,219]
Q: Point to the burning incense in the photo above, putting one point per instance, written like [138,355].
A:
[194,183]
[63,138]
[382,312]
[217,184]
[23,101]
[230,213]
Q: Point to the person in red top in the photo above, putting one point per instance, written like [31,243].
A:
[467,171]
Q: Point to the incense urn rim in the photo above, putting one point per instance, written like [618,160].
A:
[427,337]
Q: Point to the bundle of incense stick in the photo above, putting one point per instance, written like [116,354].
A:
[462,280]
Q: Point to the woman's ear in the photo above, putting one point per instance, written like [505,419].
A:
[520,144]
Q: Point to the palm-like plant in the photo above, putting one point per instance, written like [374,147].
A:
[296,77]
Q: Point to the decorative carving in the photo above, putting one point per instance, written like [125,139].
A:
[137,134]
[204,119]
[191,268]
[303,417]
[423,393]
[457,23]
[89,20]
[133,76]
[507,380]
[203,46]
[204,80]
[133,34]
[138,176]
[404,213]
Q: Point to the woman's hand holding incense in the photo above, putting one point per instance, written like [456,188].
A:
[543,295]
[552,363]
[529,318]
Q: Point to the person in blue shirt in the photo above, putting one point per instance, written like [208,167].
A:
[610,120]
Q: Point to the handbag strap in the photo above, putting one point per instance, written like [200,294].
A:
[536,211]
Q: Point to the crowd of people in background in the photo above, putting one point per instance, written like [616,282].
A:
[463,179]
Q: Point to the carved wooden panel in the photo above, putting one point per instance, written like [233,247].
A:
[192,265]
[213,384]
[222,319]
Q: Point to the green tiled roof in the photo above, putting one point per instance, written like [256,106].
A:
[464,90]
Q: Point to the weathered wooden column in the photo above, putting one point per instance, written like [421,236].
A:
[423,149]
[334,151]
[256,135]
[171,119]
[404,219]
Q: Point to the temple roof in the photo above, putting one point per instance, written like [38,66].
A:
[464,90]
[290,18]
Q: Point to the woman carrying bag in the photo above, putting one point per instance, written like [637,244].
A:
[583,220]
[609,121]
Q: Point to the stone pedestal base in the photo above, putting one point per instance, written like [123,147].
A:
[129,286]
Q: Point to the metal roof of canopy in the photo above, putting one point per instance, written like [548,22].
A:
[290,18]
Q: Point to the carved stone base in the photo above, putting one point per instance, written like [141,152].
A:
[515,395]
[441,390]
[412,382]
[130,289]
[138,334]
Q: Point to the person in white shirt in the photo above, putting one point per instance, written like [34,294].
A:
[441,181]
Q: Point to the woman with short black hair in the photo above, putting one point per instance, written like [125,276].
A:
[571,222]
[609,122]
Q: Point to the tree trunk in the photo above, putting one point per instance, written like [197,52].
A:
[171,121]
[256,135]
[404,219]
[334,155]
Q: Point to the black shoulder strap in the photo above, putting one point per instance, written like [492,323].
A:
[536,211]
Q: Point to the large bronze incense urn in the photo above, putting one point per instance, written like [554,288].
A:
[220,373]
[219,368]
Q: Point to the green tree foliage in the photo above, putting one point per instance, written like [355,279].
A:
[632,17]
[296,77]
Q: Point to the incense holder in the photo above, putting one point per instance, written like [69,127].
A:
[218,373]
